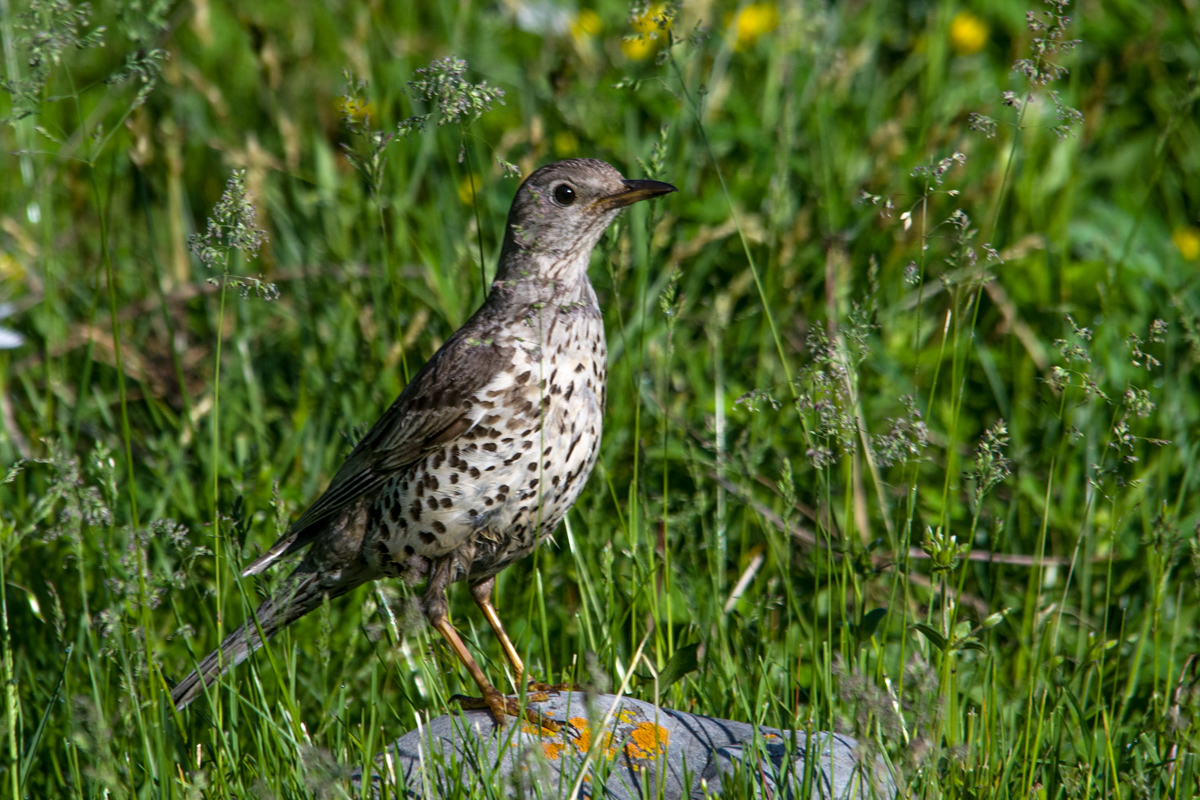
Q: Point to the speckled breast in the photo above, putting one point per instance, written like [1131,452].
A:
[492,495]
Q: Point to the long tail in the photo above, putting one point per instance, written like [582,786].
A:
[301,593]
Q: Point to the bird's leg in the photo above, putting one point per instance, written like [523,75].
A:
[482,592]
[501,707]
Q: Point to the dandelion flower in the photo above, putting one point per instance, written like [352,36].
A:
[752,22]
[646,37]
[468,187]
[356,109]
[1187,239]
[586,25]
[968,33]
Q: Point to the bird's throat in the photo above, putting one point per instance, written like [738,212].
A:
[547,279]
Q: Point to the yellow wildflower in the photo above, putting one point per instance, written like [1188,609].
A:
[968,33]
[565,144]
[10,267]
[586,25]
[1187,239]
[356,109]
[647,36]
[752,22]
[468,187]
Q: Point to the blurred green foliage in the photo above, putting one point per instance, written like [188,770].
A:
[795,475]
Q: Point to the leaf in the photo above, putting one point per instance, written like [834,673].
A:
[1100,646]
[934,636]
[680,664]
[870,622]
[36,740]
[995,619]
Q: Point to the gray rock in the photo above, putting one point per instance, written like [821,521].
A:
[629,752]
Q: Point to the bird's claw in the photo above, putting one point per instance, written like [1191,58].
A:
[552,688]
[503,707]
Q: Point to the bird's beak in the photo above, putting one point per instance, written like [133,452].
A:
[634,191]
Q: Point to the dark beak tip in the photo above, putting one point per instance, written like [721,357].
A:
[650,188]
[637,190]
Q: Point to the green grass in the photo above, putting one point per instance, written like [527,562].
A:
[764,324]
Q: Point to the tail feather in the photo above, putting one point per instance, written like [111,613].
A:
[301,593]
[290,543]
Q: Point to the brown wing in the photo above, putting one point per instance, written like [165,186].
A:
[429,412]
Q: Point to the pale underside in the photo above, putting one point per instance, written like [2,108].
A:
[491,495]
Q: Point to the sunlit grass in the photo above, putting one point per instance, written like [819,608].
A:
[918,469]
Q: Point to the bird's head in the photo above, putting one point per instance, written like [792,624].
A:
[561,211]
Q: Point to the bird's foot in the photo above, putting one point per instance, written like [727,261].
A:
[504,707]
[552,688]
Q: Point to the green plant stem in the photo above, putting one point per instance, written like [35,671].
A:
[387,267]
[695,108]
[483,285]
[1030,752]
[11,702]
[168,319]
[111,282]
[1160,160]
[1012,158]
[216,481]
[152,684]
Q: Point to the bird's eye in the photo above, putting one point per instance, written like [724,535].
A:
[564,195]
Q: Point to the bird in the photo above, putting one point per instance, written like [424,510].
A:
[483,452]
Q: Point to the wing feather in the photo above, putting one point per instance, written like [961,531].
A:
[431,411]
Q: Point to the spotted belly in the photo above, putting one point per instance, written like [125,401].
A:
[492,495]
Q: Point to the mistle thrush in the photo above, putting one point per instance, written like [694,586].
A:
[482,454]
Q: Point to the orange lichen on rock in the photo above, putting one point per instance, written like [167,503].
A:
[647,740]
[585,733]
[536,730]
[552,750]
[611,746]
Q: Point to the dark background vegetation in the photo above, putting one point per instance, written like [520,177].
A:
[800,384]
